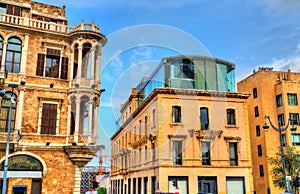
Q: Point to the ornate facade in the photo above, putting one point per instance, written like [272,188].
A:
[184,127]
[54,120]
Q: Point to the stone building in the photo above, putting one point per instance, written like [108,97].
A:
[273,93]
[185,126]
[55,104]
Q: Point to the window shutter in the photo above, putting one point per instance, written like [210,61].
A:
[64,68]
[40,64]
[9,9]
[18,11]
[49,117]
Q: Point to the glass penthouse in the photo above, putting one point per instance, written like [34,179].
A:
[190,72]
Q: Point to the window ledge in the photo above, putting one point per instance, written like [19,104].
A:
[232,126]
[176,124]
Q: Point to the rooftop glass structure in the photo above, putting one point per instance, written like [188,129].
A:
[190,72]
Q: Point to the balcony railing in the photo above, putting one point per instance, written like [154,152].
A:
[49,26]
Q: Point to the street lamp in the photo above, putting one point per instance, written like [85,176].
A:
[4,187]
[280,129]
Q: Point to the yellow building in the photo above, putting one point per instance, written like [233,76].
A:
[273,93]
[50,72]
[186,127]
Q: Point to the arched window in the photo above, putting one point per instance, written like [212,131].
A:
[204,118]
[4,112]
[13,55]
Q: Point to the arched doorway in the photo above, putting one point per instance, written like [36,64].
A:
[24,174]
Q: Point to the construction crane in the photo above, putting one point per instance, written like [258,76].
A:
[100,171]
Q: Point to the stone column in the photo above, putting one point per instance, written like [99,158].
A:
[69,120]
[72,67]
[3,56]
[24,55]
[19,111]
[77,120]
[97,63]
[90,124]
[77,179]
[95,129]
[79,68]
[93,64]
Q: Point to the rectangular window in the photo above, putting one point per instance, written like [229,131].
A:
[153,184]
[146,126]
[261,170]
[235,185]
[230,116]
[296,139]
[36,186]
[257,130]
[283,139]
[292,99]
[254,93]
[259,150]
[279,100]
[177,152]
[294,118]
[256,113]
[52,64]
[153,118]
[233,156]
[49,117]
[281,120]
[145,184]
[14,10]
[204,119]
[176,114]
[205,153]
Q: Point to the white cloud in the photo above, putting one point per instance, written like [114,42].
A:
[116,66]
[282,6]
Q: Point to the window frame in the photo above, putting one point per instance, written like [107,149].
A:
[259,150]
[261,171]
[293,120]
[258,133]
[233,157]
[57,102]
[204,118]
[231,116]
[254,92]
[4,110]
[280,119]
[176,114]
[292,99]
[294,143]
[256,111]
[177,152]
[12,60]
[61,67]
[205,155]
[279,101]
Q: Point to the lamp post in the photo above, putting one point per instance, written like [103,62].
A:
[280,129]
[4,187]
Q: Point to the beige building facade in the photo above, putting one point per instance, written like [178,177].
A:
[273,93]
[184,127]
[56,69]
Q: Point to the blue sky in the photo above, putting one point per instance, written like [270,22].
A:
[249,33]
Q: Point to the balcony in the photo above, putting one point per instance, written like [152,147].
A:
[48,26]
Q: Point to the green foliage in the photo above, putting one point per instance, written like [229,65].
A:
[101,190]
[292,162]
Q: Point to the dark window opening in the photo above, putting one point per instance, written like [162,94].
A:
[205,153]
[176,114]
[204,118]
